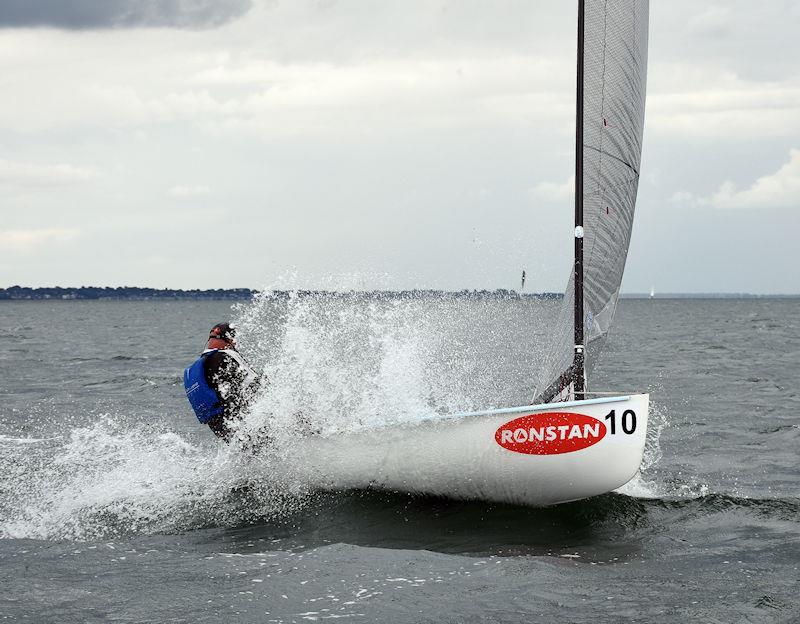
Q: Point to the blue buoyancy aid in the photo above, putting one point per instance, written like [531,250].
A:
[204,399]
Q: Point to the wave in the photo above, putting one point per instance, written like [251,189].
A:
[780,508]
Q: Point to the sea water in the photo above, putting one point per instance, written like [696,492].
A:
[116,505]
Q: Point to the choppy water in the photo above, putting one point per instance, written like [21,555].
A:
[115,505]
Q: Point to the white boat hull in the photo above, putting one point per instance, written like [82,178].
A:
[532,455]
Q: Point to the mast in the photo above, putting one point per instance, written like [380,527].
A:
[579,363]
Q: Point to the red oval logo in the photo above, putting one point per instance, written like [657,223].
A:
[551,433]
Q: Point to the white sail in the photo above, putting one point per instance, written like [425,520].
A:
[615,75]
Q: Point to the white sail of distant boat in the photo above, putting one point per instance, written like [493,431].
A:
[564,446]
[652,292]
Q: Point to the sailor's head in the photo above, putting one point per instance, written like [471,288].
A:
[222,336]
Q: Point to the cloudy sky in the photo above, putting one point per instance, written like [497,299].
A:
[200,143]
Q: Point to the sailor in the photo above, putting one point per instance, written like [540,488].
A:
[220,384]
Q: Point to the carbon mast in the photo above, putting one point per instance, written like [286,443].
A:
[579,362]
[574,377]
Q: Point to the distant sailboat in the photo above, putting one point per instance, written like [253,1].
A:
[522,286]
[652,292]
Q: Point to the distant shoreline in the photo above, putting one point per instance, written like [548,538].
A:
[135,293]
[132,293]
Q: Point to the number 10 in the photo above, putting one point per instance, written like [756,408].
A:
[628,421]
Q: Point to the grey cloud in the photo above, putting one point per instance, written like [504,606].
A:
[103,14]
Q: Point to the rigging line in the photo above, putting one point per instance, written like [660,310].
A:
[602,152]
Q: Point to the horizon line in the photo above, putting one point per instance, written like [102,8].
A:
[252,291]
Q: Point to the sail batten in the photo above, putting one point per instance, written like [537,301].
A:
[609,143]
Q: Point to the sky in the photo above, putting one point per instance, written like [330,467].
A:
[400,144]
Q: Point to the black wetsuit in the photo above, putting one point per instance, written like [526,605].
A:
[235,382]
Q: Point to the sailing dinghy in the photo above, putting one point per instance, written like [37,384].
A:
[568,443]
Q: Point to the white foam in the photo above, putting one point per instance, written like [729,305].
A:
[339,364]
[107,480]
[12,440]
[647,484]
[641,486]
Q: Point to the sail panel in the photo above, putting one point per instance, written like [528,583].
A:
[615,76]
